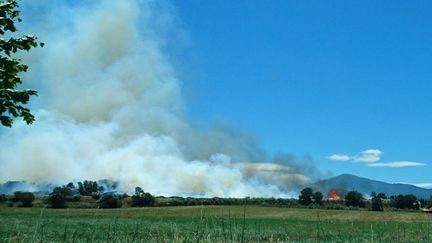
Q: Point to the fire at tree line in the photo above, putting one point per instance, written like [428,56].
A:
[88,194]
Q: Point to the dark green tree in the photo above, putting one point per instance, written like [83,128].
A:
[57,198]
[354,199]
[404,201]
[305,197]
[317,198]
[377,202]
[428,203]
[109,201]
[24,199]
[70,185]
[142,199]
[12,100]
[89,188]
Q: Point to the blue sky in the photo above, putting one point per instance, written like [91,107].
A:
[346,78]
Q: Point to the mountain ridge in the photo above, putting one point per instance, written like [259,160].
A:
[349,182]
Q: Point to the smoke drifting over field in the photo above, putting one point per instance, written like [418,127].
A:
[111,107]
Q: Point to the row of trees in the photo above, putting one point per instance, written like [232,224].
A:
[69,195]
[59,197]
[378,201]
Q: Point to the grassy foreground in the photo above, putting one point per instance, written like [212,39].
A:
[211,224]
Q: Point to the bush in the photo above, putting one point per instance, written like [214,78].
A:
[24,199]
[335,206]
[142,199]
[95,195]
[109,201]
[3,198]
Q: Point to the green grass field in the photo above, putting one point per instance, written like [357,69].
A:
[212,224]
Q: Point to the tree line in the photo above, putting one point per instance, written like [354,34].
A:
[354,199]
[91,194]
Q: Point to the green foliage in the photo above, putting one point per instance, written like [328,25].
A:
[317,198]
[23,199]
[142,199]
[57,198]
[190,201]
[381,195]
[377,202]
[3,198]
[404,202]
[70,185]
[305,197]
[335,206]
[354,199]
[428,203]
[89,188]
[109,201]
[308,196]
[12,99]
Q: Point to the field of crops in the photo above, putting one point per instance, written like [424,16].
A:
[211,224]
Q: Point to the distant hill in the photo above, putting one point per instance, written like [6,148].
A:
[347,182]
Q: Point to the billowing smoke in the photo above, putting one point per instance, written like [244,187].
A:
[111,107]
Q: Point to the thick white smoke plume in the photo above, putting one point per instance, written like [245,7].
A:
[110,107]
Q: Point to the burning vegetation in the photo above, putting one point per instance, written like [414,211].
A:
[334,196]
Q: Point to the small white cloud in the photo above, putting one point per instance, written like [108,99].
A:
[339,157]
[371,157]
[397,164]
[368,156]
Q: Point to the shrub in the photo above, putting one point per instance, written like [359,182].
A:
[335,206]
[24,199]
[3,198]
[95,195]
[109,201]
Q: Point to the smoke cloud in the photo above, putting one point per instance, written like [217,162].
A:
[111,107]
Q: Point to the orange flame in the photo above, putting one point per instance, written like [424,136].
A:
[333,195]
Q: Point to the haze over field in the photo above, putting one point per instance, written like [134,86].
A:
[110,106]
